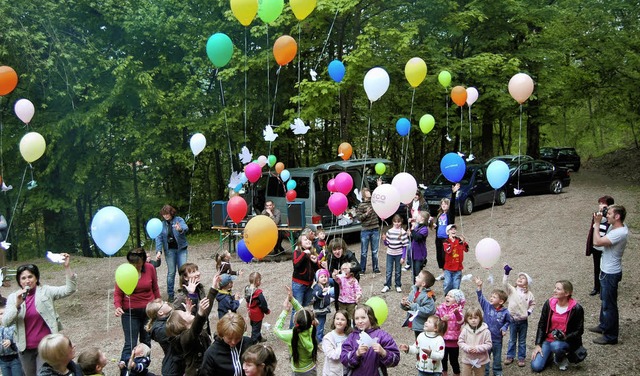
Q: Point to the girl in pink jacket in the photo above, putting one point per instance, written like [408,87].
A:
[451,312]
[475,343]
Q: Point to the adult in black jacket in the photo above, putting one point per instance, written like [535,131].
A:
[338,255]
[172,364]
[223,357]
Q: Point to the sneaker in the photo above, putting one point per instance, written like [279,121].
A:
[377,271]
[398,289]
[440,277]
[521,363]
[604,341]
[385,289]
[508,361]
[564,364]
[407,267]
[595,329]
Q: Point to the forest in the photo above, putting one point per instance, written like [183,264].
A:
[120,87]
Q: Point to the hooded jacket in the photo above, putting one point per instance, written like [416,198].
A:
[224,360]
[479,339]
[370,363]
[496,319]
[256,304]
[172,364]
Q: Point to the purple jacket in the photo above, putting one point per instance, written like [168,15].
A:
[370,363]
[419,242]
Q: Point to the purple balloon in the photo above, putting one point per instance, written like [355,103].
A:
[243,252]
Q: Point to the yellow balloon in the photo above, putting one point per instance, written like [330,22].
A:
[415,70]
[127,278]
[260,236]
[32,146]
[302,8]
[244,10]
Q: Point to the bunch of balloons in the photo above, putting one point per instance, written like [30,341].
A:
[340,186]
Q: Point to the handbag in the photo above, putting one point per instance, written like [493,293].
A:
[579,355]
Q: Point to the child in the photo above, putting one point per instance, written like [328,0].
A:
[429,347]
[256,305]
[226,300]
[301,339]
[350,291]
[158,312]
[140,360]
[92,361]
[190,286]
[454,248]
[521,304]
[369,350]
[57,351]
[451,312]
[223,265]
[419,233]
[223,356]
[332,344]
[321,300]
[475,343]
[259,360]
[396,240]
[322,240]
[446,216]
[420,303]
[9,360]
[497,318]
[305,265]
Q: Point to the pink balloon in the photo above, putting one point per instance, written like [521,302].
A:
[343,183]
[331,185]
[521,87]
[472,96]
[487,252]
[24,110]
[253,171]
[406,185]
[385,200]
[338,203]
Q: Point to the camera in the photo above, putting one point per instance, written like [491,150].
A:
[604,211]
[558,334]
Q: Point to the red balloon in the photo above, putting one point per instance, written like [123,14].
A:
[237,209]
[291,195]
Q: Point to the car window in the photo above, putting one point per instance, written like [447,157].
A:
[526,167]
[479,175]
[541,166]
[276,188]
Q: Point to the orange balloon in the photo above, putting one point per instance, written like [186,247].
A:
[279,167]
[345,150]
[459,95]
[8,80]
[285,49]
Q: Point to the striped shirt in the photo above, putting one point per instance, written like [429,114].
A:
[396,241]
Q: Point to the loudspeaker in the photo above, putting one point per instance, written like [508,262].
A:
[218,213]
[295,213]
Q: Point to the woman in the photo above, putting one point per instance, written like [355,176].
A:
[131,309]
[31,309]
[559,330]
[603,203]
[173,241]
[339,255]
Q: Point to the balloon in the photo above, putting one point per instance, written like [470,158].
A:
[427,122]
[453,167]
[331,185]
[243,251]
[284,50]
[345,151]
[154,228]
[272,160]
[243,178]
[459,95]
[8,80]
[110,230]
[219,49]
[291,184]
[472,96]
[415,71]
[344,182]
[291,195]
[238,188]
[487,252]
[197,143]
[406,186]
[260,236]
[262,161]
[253,171]
[32,146]
[497,174]
[380,168]
[336,70]
[244,10]
[285,175]
[380,309]
[237,209]
[403,126]
[338,203]
[444,78]
[279,167]
[127,278]
[302,8]
[376,83]
[521,87]
[270,10]
[385,200]
[24,110]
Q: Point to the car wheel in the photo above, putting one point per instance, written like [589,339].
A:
[502,197]
[467,206]
[556,187]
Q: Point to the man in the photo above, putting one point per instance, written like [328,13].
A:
[370,233]
[273,213]
[613,243]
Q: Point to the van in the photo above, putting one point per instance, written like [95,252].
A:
[311,189]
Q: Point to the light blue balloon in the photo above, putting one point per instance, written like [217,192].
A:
[110,229]
[497,174]
[154,227]
[285,175]
[403,125]
[243,178]
[453,167]
[336,70]
[238,188]
[291,184]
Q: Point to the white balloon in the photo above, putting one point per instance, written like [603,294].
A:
[376,83]
[262,160]
[24,110]
[487,252]
[385,200]
[472,96]
[521,87]
[197,143]
[406,185]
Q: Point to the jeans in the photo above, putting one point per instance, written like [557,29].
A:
[393,266]
[369,236]
[31,362]
[517,334]
[558,348]
[11,367]
[322,319]
[175,259]
[609,318]
[133,322]
[496,355]
[303,294]
[256,328]
[451,280]
[416,267]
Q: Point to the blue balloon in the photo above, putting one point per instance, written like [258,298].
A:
[336,70]
[403,126]
[497,174]
[285,175]
[238,188]
[243,252]
[110,229]
[291,184]
[154,227]
[453,167]
[243,178]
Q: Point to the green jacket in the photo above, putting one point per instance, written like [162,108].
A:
[305,362]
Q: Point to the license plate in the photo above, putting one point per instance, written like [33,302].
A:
[433,202]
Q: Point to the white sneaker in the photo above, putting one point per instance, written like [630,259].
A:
[564,364]
[398,289]
[406,267]
[385,289]
[440,277]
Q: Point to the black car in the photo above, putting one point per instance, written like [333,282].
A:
[563,157]
[537,177]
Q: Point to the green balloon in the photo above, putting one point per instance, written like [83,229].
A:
[380,309]
[127,278]
[427,122]
[272,160]
[219,49]
[269,10]
[380,168]
[444,78]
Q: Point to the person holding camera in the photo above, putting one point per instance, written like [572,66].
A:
[560,329]
[596,251]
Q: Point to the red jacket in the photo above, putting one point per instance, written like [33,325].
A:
[454,250]
[256,305]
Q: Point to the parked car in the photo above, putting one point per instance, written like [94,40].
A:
[563,157]
[510,159]
[538,176]
[474,191]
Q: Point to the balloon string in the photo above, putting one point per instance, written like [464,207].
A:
[460,133]
[519,141]
[15,206]
[193,170]
[268,78]
[446,103]
[299,66]
[340,111]
[326,40]
[406,154]
[275,94]
[226,124]
[470,134]
[245,86]
[366,149]
[1,141]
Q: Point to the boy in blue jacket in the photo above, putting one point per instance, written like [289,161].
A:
[497,318]
[227,301]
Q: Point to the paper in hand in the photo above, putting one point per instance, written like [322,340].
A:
[366,340]
[56,258]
